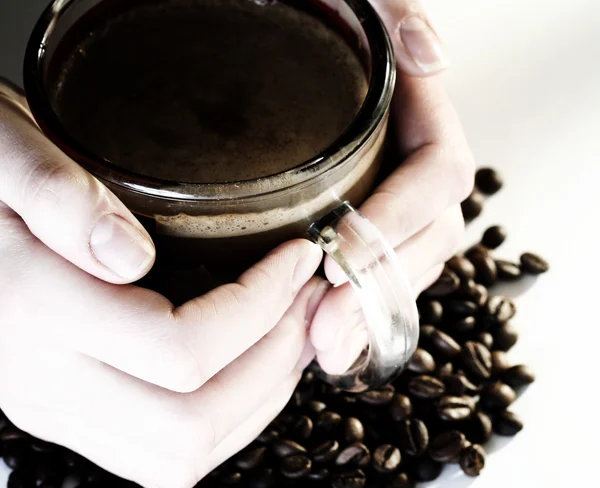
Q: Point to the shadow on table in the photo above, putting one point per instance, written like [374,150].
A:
[514,289]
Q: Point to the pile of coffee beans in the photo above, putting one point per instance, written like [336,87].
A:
[454,394]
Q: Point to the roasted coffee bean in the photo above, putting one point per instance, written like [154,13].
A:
[445,369]
[455,408]
[268,435]
[496,396]
[477,359]
[472,460]
[319,475]
[230,479]
[296,467]
[304,392]
[11,433]
[476,249]
[325,451]
[426,332]
[487,273]
[488,181]
[401,407]
[447,446]
[219,471]
[444,345]
[447,283]
[462,267]
[16,454]
[506,423]
[462,308]
[349,479]
[286,447]
[431,312]
[486,339]
[499,310]
[263,478]
[517,376]
[467,288]
[399,480]
[250,458]
[74,462]
[426,387]
[421,362]
[505,337]
[308,377]
[464,325]
[355,455]
[472,206]
[72,480]
[46,469]
[500,362]
[42,447]
[386,458]
[282,422]
[493,237]
[508,271]
[99,475]
[413,436]
[533,264]
[379,397]
[348,399]
[428,469]
[479,295]
[20,479]
[302,428]
[479,428]
[458,385]
[328,421]
[316,406]
[374,435]
[353,430]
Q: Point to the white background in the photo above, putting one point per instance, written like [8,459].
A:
[526,80]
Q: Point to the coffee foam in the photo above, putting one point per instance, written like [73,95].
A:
[354,185]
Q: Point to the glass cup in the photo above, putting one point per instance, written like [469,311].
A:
[231,225]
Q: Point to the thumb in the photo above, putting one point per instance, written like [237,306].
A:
[64,206]
[419,50]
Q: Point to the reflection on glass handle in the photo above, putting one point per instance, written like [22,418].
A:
[382,287]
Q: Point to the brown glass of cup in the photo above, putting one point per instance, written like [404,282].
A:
[230,225]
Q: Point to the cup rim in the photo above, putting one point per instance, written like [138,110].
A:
[373,110]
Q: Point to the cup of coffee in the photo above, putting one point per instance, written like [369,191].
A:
[231,126]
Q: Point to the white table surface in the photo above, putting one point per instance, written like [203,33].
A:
[526,81]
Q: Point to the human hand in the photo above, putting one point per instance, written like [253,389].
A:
[156,394]
[418,206]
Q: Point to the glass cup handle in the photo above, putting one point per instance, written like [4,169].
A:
[384,292]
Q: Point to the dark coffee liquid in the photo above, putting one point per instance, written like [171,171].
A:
[209,90]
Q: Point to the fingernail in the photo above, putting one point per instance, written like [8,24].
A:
[121,247]
[306,266]
[422,44]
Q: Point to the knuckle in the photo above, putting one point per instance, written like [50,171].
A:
[185,374]
[170,361]
[51,183]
